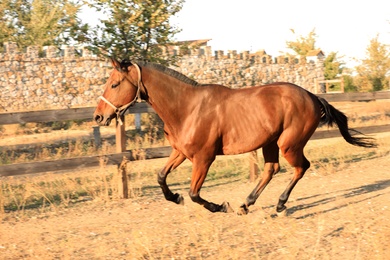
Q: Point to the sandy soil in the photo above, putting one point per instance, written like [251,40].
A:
[343,215]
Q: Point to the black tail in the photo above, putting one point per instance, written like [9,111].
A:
[331,115]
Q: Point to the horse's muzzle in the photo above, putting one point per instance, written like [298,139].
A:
[102,120]
[98,118]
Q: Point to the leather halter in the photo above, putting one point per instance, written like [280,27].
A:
[120,111]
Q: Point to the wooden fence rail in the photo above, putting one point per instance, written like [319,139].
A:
[367,96]
[53,115]
[150,153]
[79,163]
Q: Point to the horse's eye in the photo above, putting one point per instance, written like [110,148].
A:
[115,85]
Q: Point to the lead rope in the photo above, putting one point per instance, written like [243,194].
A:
[119,111]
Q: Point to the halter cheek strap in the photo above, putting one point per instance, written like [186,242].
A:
[120,111]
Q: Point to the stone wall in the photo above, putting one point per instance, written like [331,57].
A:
[238,70]
[63,79]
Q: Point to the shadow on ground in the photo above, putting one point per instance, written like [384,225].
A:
[327,198]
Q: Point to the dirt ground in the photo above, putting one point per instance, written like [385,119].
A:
[343,215]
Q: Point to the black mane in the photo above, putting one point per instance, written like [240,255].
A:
[169,72]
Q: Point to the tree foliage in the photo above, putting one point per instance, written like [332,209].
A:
[349,84]
[332,66]
[303,44]
[40,22]
[374,71]
[135,29]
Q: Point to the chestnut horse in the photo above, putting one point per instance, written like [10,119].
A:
[202,121]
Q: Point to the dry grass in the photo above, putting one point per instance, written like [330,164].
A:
[20,144]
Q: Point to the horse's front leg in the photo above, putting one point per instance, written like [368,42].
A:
[174,160]
[199,172]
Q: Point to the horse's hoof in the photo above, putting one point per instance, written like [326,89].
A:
[179,199]
[282,213]
[280,208]
[226,207]
[243,210]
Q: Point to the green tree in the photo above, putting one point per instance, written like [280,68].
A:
[40,22]
[349,85]
[373,72]
[303,44]
[332,68]
[135,29]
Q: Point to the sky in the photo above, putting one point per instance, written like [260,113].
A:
[342,26]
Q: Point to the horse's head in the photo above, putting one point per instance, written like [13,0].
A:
[121,91]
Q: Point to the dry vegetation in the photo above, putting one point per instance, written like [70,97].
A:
[339,210]
[50,141]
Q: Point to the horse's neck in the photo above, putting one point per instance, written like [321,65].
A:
[170,98]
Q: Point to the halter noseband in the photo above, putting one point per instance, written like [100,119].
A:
[120,111]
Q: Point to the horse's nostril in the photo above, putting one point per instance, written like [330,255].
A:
[98,118]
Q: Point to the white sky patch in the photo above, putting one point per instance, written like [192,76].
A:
[342,26]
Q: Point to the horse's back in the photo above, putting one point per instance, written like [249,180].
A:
[258,115]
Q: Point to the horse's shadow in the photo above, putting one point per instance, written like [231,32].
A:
[330,197]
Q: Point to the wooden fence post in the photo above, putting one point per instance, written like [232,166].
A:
[253,166]
[120,137]
[120,140]
[96,136]
[123,189]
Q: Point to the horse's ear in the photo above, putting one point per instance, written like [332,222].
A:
[116,64]
[125,64]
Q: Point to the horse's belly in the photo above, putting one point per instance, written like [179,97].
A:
[237,144]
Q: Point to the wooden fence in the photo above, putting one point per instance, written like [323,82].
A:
[327,82]
[86,112]
[150,153]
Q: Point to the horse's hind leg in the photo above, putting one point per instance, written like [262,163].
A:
[174,160]
[271,167]
[301,164]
